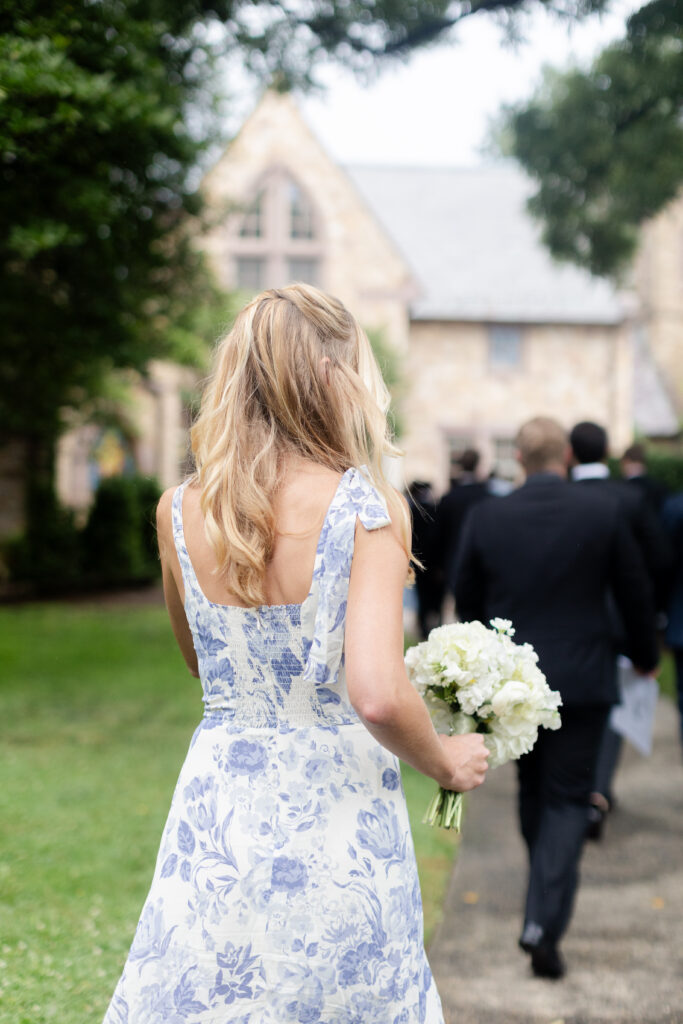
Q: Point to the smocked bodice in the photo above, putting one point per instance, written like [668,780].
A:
[281,666]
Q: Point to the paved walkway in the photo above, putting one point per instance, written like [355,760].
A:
[624,948]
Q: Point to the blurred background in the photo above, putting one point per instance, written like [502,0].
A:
[492,188]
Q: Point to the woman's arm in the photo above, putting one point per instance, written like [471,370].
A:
[378,685]
[173,582]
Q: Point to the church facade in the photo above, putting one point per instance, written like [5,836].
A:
[447,267]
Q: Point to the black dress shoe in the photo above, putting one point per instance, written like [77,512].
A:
[546,961]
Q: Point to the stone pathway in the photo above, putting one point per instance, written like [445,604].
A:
[624,948]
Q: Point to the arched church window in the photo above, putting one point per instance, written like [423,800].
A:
[252,219]
[300,214]
[276,238]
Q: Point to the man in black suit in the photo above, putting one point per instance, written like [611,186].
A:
[428,579]
[545,557]
[590,445]
[634,471]
[466,490]
[589,454]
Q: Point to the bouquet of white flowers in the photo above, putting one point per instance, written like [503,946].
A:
[475,679]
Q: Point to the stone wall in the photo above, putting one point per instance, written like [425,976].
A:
[569,372]
[659,284]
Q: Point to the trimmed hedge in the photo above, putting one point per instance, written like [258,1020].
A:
[119,539]
[116,547]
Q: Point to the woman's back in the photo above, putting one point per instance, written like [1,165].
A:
[286,887]
[264,666]
[299,506]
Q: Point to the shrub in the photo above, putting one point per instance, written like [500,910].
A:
[148,493]
[119,542]
[666,467]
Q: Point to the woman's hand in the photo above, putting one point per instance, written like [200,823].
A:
[467,762]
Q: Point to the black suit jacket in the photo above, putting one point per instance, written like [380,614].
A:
[648,531]
[653,490]
[546,557]
[451,513]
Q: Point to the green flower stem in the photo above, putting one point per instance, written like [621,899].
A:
[445,809]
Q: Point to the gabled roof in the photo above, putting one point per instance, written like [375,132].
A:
[475,250]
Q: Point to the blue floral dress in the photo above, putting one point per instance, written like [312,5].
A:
[286,887]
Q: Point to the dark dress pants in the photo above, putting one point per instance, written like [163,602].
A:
[555,782]
[608,759]
[429,600]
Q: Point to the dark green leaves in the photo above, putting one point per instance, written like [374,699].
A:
[606,145]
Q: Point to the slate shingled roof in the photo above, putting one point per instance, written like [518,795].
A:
[474,249]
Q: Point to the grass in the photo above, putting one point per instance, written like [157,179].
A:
[96,713]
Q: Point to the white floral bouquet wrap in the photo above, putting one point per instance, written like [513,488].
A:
[475,679]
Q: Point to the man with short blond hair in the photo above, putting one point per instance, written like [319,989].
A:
[541,442]
[546,557]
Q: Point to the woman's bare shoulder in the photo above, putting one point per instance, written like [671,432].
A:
[165,508]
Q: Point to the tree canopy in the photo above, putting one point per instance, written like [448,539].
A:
[96,261]
[606,144]
[289,40]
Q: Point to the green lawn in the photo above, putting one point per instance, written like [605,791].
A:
[96,713]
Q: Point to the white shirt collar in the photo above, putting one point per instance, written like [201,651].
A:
[590,471]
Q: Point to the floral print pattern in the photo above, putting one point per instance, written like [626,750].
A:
[286,887]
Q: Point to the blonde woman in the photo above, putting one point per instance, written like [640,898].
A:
[286,887]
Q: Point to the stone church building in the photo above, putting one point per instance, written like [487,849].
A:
[447,266]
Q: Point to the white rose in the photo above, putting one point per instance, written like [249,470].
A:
[510,695]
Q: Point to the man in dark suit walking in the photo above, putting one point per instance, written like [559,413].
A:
[633,468]
[546,557]
[428,578]
[466,490]
[589,444]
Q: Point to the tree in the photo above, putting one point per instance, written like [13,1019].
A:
[606,145]
[97,264]
[103,117]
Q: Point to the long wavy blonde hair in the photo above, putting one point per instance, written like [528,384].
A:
[295,376]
